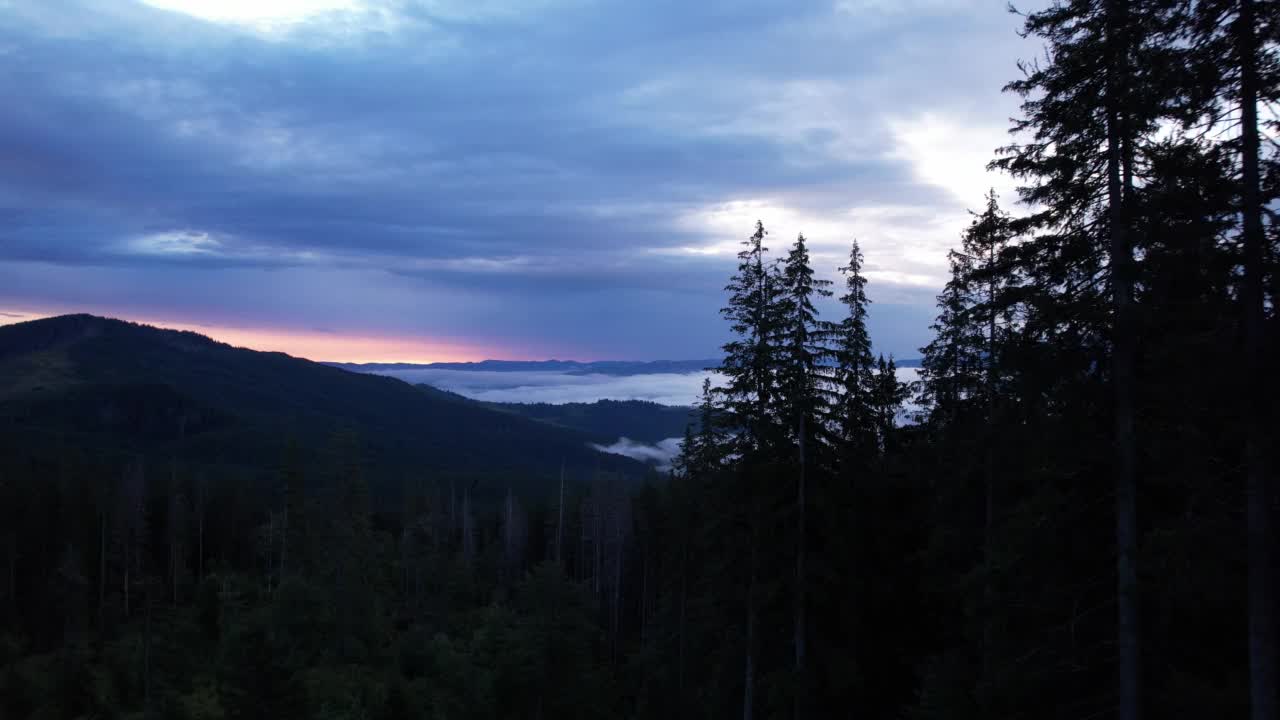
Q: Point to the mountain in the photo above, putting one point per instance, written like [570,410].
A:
[638,420]
[566,367]
[90,382]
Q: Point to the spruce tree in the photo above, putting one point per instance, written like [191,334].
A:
[1089,112]
[855,369]
[888,395]
[751,358]
[1236,54]
[805,380]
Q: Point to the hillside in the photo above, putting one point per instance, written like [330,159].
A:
[609,420]
[127,388]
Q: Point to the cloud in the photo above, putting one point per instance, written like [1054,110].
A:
[565,174]
[660,454]
[255,13]
[554,387]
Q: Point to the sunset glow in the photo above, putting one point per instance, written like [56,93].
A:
[313,344]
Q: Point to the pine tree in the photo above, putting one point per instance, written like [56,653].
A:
[855,368]
[951,367]
[889,393]
[805,380]
[1090,110]
[751,359]
[1238,62]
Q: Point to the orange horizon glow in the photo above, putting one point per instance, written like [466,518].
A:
[311,344]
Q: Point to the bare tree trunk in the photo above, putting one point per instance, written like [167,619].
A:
[128,541]
[468,539]
[684,595]
[146,657]
[617,585]
[173,528]
[988,529]
[509,544]
[102,571]
[598,542]
[13,568]
[1127,634]
[749,670]
[801,542]
[271,548]
[200,502]
[560,521]
[284,539]
[1262,600]
[174,561]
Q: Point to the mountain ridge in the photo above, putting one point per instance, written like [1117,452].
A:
[568,367]
[133,388]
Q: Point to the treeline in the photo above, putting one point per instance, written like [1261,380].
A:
[1080,523]
[1077,523]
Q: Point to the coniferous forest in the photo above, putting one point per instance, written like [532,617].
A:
[1070,515]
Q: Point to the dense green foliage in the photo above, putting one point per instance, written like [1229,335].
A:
[1076,524]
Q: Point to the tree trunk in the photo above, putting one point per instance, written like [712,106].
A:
[560,522]
[174,561]
[684,594]
[749,670]
[617,586]
[644,596]
[284,540]
[127,543]
[1127,636]
[801,537]
[146,657]
[453,507]
[988,529]
[102,572]
[1262,601]
[13,569]
[508,543]
[200,501]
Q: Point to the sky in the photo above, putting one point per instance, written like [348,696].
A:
[431,180]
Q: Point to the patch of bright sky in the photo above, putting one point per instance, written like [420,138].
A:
[952,156]
[257,13]
[904,246]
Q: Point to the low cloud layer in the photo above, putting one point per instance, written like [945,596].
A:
[660,455]
[554,387]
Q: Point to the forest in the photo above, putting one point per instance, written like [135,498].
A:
[1075,519]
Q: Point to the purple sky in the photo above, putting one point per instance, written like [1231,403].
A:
[458,179]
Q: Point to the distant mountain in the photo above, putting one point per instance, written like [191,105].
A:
[609,420]
[567,367]
[88,382]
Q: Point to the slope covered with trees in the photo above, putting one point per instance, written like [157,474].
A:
[94,383]
[609,420]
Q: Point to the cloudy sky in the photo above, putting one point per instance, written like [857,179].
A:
[422,180]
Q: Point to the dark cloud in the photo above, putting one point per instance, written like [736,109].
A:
[547,173]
